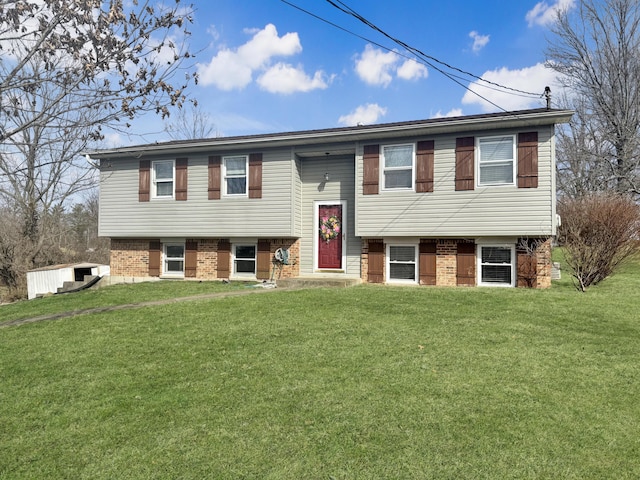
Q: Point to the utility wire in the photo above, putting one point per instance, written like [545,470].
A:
[418,55]
[349,11]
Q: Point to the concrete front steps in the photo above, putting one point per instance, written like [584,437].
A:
[318,282]
[73,286]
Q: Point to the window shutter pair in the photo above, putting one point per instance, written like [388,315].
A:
[255,176]
[144,180]
[424,168]
[527,152]
[190,258]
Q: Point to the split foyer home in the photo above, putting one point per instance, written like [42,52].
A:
[450,201]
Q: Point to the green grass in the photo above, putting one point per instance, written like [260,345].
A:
[113,295]
[360,383]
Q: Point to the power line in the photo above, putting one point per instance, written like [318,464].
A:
[349,11]
[418,55]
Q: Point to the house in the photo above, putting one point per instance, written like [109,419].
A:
[464,200]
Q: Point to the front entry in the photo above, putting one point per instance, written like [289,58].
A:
[330,236]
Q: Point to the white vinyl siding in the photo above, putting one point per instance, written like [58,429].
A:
[496,160]
[162,179]
[398,166]
[402,263]
[483,212]
[122,215]
[496,265]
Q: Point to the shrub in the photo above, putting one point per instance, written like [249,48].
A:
[598,232]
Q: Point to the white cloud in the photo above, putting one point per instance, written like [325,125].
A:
[363,115]
[233,69]
[530,79]
[374,66]
[479,41]
[454,112]
[412,70]
[544,14]
[377,67]
[284,78]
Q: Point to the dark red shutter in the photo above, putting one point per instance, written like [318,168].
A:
[466,264]
[528,160]
[465,163]
[181,178]
[427,264]
[371,169]
[263,260]
[255,175]
[214,177]
[144,181]
[154,258]
[376,262]
[224,258]
[424,166]
[191,258]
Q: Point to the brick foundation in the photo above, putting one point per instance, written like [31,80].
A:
[130,258]
[447,265]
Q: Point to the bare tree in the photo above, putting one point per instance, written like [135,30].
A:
[596,52]
[68,71]
[598,232]
[191,123]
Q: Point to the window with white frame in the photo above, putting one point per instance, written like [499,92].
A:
[163,178]
[496,160]
[398,166]
[173,261]
[235,175]
[496,265]
[244,259]
[402,263]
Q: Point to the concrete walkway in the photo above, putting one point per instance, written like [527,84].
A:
[153,303]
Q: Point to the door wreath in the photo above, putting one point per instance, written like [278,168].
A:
[329,228]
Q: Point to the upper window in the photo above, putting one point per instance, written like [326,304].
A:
[496,160]
[402,264]
[173,263]
[397,167]
[163,175]
[496,265]
[235,175]
[244,259]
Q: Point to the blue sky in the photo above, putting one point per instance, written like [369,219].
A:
[266,66]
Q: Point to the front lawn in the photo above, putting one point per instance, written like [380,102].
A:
[359,383]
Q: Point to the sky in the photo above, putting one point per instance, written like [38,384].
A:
[266,66]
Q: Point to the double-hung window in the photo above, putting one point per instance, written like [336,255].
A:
[398,167]
[402,263]
[496,160]
[173,263]
[496,265]
[244,259]
[163,178]
[235,175]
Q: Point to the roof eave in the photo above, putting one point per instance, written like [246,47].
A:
[360,133]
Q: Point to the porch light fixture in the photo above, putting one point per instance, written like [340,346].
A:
[326,176]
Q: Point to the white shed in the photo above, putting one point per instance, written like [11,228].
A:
[48,279]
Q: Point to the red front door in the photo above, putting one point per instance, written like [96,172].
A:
[330,236]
